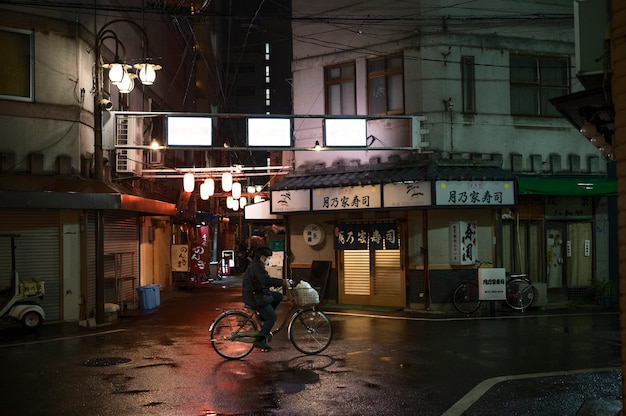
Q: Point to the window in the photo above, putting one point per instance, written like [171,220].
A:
[534,81]
[16,72]
[468,82]
[385,85]
[340,89]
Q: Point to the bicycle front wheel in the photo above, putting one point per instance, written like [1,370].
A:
[465,298]
[233,333]
[519,294]
[310,331]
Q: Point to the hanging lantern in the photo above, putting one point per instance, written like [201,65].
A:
[236,190]
[188,182]
[243,201]
[229,202]
[235,205]
[250,189]
[227,181]
[210,183]
[127,84]
[257,199]
[204,191]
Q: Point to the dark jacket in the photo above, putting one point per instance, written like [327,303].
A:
[256,279]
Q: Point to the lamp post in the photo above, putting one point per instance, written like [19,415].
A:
[118,73]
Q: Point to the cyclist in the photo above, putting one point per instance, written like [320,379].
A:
[256,293]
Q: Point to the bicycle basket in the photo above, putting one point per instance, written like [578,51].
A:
[305,296]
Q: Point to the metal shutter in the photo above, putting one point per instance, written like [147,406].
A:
[37,252]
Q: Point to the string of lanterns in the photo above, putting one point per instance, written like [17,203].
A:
[207,189]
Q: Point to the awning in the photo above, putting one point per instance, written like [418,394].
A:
[54,192]
[351,178]
[567,185]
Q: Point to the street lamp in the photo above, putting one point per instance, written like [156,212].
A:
[119,76]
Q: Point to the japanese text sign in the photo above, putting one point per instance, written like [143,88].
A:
[463,242]
[367,236]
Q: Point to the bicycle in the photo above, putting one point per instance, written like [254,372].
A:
[309,330]
[520,293]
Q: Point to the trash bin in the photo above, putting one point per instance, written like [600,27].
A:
[157,294]
[147,297]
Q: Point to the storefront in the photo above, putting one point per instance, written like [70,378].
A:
[390,231]
[83,238]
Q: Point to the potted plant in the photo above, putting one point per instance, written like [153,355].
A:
[605,293]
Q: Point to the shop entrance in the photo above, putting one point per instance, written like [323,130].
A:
[372,277]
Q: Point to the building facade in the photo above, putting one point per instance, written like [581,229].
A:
[87,225]
[462,132]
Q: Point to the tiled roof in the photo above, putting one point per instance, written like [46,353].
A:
[393,174]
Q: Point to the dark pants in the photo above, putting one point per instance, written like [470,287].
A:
[268,313]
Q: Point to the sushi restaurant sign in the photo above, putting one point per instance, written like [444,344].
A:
[475,193]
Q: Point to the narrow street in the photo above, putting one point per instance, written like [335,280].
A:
[162,363]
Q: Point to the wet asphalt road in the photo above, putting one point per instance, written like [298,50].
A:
[162,363]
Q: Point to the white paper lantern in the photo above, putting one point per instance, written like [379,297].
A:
[235,205]
[243,201]
[227,181]
[204,191]
[210,186]
[229,202]
[236,190]
[188,182]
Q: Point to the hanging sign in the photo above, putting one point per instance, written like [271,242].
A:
[367,236]
[463,243]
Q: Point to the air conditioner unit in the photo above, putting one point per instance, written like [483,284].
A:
[129,133]
[155,158]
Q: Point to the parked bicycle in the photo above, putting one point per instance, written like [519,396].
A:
[309,330]
[520,293]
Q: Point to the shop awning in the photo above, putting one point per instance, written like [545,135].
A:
[356,177]
[53,192]
[567,185]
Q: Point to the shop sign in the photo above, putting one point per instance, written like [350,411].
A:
[291,200]
[410,194]
[474,193]
[463,242]
[492,284]
[199,259]
[349,197]
[180,257]
[568,207]
[367,236]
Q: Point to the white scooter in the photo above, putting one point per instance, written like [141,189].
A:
[21,302]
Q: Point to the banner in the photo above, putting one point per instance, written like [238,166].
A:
[367,236]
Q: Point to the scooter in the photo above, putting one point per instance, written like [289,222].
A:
[20,301]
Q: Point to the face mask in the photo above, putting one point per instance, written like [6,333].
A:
[267,261]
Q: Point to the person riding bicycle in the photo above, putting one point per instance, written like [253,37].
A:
[256,293]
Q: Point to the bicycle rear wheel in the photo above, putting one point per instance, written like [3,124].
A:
[232,334]
[310,331]
[519,294]
[465,298]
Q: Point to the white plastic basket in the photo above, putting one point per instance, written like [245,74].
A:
[305,296]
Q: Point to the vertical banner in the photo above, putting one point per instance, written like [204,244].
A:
[367,236]
[199,260]
[463,242]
